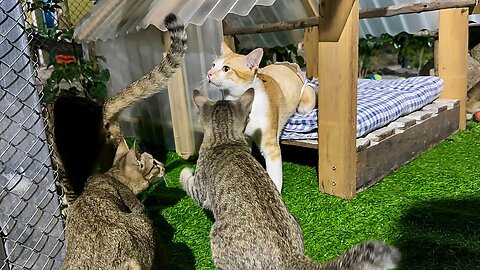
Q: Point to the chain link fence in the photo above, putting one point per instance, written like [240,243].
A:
[31,226]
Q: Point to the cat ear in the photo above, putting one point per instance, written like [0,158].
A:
[132,154]
[225,49]
[254,58]
[122,150]
[246,100]
[199,99]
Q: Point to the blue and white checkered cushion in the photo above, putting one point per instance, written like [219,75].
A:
[379,103]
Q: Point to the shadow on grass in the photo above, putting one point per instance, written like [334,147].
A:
[443,234]
[178,256]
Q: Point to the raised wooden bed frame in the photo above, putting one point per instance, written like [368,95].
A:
[347,165]
[331,53]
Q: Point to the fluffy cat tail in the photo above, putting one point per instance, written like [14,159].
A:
[365,256]
[157,79]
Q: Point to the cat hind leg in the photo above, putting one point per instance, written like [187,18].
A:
[273,161]
[308,100]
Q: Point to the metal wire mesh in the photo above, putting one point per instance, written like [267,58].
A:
[31,226]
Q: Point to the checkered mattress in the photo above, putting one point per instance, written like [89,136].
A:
[379,103]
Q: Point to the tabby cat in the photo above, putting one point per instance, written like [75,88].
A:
[279,91]
[84,135]
[253,228]
[107,227]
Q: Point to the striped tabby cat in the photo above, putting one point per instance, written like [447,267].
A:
[84,135]
[253,228]
[107,227]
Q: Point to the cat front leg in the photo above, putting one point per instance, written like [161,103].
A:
[192,187]
[130,200]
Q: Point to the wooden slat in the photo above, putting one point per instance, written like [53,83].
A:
[181,122]
[310,42]
[310,7]
[414,8]
[452,56]
[333,18]
[377,161]
[339,23]
[337,103]
[228,39]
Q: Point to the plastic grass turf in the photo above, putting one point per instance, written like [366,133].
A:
[429,208]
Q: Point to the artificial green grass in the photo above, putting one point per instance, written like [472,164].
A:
[429,209]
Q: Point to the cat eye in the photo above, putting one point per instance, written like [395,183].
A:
[213,65]
[226,68]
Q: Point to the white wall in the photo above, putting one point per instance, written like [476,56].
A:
[131,56]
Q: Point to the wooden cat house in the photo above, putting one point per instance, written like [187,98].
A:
[346,164]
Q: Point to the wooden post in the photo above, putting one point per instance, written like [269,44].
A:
[337,106]
[228,39]
[452,56]
[334,14]
[181,122]
[310,45]
[310,41]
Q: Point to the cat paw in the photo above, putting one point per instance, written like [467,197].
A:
[378,255]
[185,175]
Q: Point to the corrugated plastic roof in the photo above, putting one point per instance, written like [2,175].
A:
[110,18]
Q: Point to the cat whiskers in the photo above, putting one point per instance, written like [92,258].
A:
[203,81]
[164,178]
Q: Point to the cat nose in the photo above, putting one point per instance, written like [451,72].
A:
[209,73]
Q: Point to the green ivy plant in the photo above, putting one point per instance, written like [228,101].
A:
[73,75]
[367,48]
[78,76]
[288,53]
[412,51]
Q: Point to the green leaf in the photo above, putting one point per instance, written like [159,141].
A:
[99,90]
[104,75]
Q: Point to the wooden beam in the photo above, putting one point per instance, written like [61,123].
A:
[271,27]
[228,39]
[324,22]
[181,122]
[337,105]
[452,56]
[415,8]
[476,9]
[310,40]
[310,8]
[333,17]
[310,45]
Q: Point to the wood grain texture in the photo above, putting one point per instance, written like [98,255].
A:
[337,103]
[379,160]
[181,122]
[452,56]
[414,8]
[310,42]
[333,18]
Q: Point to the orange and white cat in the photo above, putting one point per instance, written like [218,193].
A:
[279,92]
